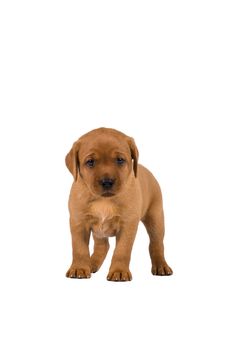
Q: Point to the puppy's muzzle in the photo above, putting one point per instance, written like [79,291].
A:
[107,183]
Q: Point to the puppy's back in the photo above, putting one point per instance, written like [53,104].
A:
[150,188]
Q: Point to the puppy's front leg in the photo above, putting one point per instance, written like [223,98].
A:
[81,265]
[119,269]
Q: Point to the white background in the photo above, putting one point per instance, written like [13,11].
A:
[160,71]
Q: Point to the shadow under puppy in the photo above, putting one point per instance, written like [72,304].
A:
[110,194]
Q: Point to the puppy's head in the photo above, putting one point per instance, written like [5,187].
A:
[104,159]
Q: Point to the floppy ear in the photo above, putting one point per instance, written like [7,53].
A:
[134,154]
[72,162]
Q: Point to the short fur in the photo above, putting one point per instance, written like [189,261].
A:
[134,195]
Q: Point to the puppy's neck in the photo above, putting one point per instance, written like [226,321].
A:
[104,218]
[103,209]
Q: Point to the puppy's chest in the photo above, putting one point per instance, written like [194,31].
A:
[105,219]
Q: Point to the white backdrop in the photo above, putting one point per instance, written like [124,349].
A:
[160,71]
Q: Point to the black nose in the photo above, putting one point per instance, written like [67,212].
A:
[107,183]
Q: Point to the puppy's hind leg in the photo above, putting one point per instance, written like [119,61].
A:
[154,223]
[101,247]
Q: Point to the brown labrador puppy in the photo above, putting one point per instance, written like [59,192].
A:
[110,194]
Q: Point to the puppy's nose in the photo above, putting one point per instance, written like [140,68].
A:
[107,183]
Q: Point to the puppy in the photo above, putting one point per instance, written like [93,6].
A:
[110,194]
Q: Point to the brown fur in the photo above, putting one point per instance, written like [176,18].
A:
[135,195]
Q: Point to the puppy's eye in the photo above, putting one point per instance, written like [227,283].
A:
[120,161]
[90,163]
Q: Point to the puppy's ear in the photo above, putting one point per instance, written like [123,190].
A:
[134,154]
[72,161]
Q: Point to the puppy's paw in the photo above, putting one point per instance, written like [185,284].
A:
[78,272]
[95,264]
[119,276]
[94,267]
[161,269]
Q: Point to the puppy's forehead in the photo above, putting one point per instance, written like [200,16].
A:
[103,144]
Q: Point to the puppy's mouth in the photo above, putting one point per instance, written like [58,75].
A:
[107,194]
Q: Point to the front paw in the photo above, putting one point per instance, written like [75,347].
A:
[161,268]
[119,275]
[76,271]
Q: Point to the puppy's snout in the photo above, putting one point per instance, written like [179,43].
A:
[107,183]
